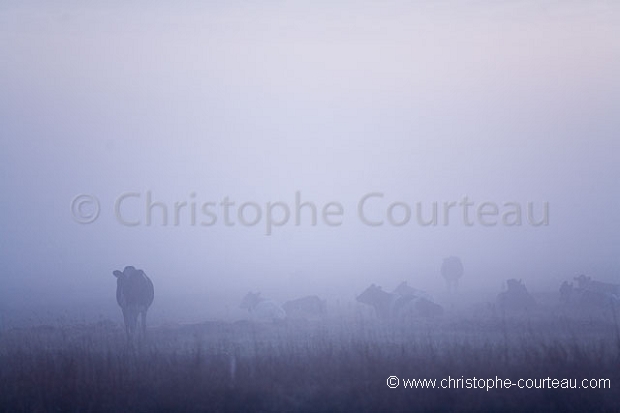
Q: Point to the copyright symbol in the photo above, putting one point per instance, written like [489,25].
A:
[85,209]
[393,382]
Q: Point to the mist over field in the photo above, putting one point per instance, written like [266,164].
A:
[298,149]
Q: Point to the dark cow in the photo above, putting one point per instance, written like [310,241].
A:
[516,297]
[134,294]
[392,306]
[309,306]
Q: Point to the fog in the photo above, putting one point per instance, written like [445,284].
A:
[298,113]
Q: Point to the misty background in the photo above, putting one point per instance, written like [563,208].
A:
[424,102]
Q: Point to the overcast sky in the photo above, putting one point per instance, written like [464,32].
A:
[191,103]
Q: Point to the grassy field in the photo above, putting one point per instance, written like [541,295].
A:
[338,364]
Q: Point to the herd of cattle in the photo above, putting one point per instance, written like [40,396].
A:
[135,294]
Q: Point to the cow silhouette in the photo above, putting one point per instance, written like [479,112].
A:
[451,271]
[516,297]
[262,309]
[134,294]
[589,294]
[308,307]
[397,307]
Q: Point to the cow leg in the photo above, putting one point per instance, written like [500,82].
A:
[127,320]
[143,322]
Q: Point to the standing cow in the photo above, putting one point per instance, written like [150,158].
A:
[451,271]
[134,294]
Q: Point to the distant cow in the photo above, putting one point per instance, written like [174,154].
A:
[589,293]
[392,306]
[516,297]
[262,309]
[134,294]
[425,306]
[309,306]
[451,271]
[587,283]
[405,289]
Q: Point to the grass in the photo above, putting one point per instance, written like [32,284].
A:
[336,365]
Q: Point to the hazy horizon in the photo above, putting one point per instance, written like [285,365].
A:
[499,102]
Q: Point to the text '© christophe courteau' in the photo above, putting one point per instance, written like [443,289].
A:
[373,209]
